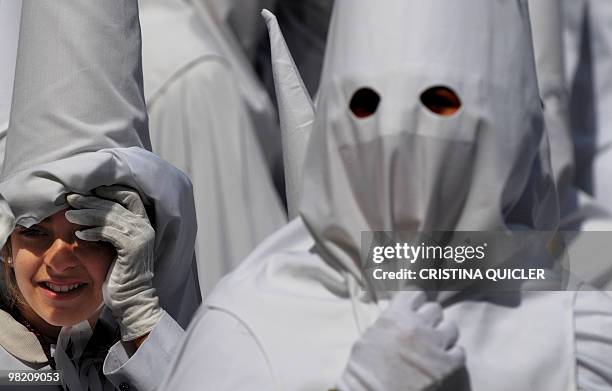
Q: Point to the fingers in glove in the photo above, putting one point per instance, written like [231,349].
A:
[105,234]
[95,218]
[408,301]
[457,356]
[79,201]
[126,196]
[431,313]
[449,334]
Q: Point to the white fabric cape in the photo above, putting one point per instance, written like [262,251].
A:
[286,320]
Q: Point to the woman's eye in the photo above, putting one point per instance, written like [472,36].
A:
[32,232]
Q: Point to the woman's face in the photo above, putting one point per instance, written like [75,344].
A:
[59,275]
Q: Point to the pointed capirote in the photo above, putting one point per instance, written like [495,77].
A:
[78,85]
[296,111]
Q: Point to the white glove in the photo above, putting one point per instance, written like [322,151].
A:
[409,347]
[119,217]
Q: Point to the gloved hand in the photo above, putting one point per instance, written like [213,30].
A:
[119,217]
[409,347]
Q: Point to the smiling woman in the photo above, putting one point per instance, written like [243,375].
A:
[62,273]
[99,263]
[53,279]
[57,277]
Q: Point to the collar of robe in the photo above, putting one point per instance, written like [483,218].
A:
[16,339]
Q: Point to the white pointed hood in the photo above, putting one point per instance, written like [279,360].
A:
[404,168]
[305,24]
[76,80]
[295,109]
[79,121]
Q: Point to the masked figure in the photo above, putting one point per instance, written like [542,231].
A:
[100,267]
[428,119]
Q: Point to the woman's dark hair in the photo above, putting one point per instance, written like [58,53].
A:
[10,294]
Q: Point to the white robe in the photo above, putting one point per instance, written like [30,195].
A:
[287,320]
[261,111]
[199,122]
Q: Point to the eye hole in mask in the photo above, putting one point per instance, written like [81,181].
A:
[364,102]
[441,100]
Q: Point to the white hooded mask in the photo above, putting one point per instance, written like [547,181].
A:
[79,121]
[405,168]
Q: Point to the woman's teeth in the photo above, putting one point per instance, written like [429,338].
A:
[61,288]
